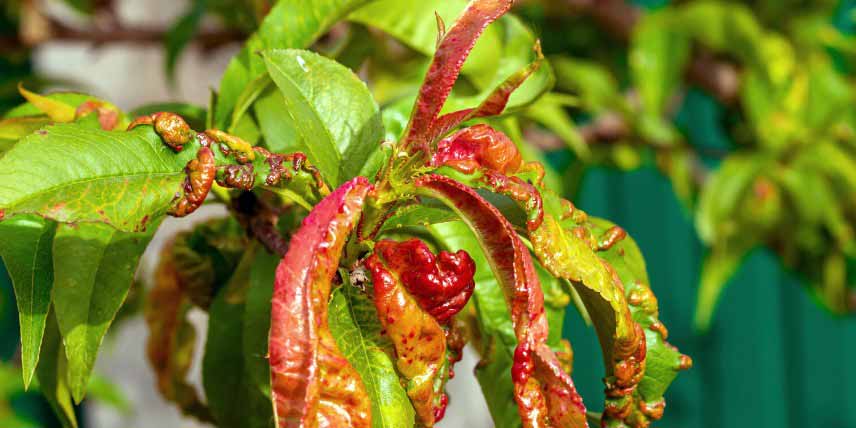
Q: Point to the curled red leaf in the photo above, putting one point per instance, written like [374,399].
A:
[478,146]
[200,176]
[312,384]
[169,346]
[451,53]
[493,105]
[545,394]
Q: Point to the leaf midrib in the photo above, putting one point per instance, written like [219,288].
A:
[53,189]
[329,137]
[364,350]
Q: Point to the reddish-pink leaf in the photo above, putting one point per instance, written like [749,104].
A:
[493,161]
[545,394]
[451,53]
[414,292]
[312,384]
[493,105]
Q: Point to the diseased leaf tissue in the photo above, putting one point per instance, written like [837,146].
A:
[366,314]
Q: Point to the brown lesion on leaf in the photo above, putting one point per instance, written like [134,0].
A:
[231,145]
[201,172]
[169,346]
[172,128]
[284,167]
[108,117]
[416,295]
[609,238]
[236,176]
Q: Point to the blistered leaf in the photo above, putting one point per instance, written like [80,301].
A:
[171,341]
[496,340]
[302,349]
[452,50]
[235,399]
[355,326]
[544,392]
[27,254]
[193,114]
[52,374]
[663,361]
[415,291]
[124,179]
[569,254]
[94,267]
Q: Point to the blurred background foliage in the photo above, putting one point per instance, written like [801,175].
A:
[720,134]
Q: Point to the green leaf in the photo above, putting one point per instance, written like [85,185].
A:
[413,23]
[26,251]
[234,399]
[333,115]
[94,267]
[423,214]
[721,196]
[594,84]
[718,267]
[52,374]
[354,325]
[72,99]
[658,55]
[71,173]
[109,393]
[56,110]
[728,27]
[249,96]
[289,24]
[257,320]
[548,112]
[181,33]
[15,128]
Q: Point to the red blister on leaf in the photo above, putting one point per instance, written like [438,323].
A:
[478,146]
[490,153]
[312,384]
[545,394]
[441,284]
[414,292]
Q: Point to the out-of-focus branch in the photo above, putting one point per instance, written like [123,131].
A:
[37,28]
[260,220]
